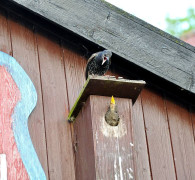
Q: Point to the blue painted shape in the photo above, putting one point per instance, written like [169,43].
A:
[20,116]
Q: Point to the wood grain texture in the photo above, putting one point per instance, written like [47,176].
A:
[5,41]
[182,139]
[192,113]
[106,86]
[25,51]
[158,136]
[75,71]
[103,151]
[14,68]
[113,146]
[84,145]
[142,167]
[125,35]
[61,162]
[59,145]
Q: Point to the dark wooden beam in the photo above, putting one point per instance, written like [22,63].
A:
[127,36]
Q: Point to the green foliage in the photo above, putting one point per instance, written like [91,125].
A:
[180,26]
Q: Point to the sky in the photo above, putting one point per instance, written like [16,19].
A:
[154,11]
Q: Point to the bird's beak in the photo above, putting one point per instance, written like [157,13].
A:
[112,100]
[104,60]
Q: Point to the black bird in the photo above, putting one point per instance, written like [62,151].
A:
[98,63]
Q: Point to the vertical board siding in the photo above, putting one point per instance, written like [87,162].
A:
[113,145]
[192,114]
[141,159]
[158,137]
[23,38]
[84,147]
[59,144]
[119,161]
[75,74]
[5,42]
[182,140]
[163,131]
[15,166]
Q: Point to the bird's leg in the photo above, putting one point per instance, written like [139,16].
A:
[94,75]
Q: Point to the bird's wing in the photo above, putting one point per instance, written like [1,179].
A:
[92,56]
[87,68]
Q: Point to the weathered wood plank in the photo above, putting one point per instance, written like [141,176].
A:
[125,35]
[59,145]
[75,71]
[25,51]
[182,139]
[106,86]
[104,151]
[113,145]
[141,159]
[84,145]
[192,113]
[158,136]
[5,42]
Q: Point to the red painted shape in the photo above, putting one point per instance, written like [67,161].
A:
[9,96]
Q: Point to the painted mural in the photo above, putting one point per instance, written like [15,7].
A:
[18,98]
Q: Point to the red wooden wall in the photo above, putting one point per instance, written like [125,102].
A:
[163,130]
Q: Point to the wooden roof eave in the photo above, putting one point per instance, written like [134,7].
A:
[125,35]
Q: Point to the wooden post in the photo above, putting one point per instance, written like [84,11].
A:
[103,151]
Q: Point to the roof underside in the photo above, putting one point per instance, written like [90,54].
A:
[127,36]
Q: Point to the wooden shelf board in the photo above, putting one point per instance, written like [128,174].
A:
[106,86]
